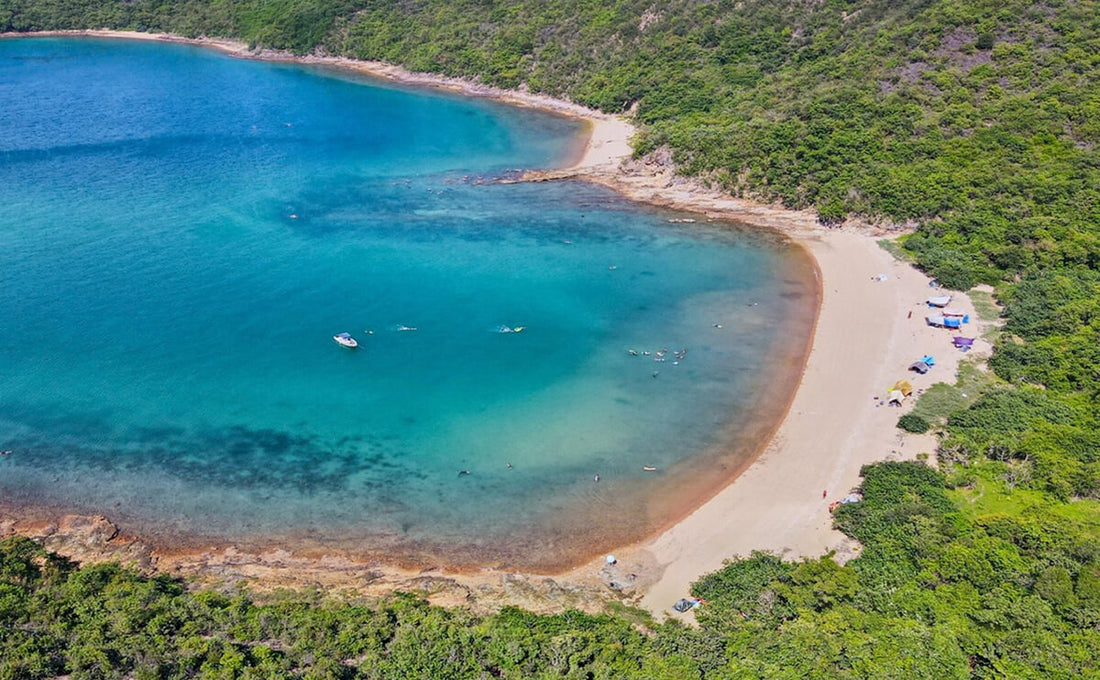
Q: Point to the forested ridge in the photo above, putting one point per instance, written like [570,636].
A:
[975,123]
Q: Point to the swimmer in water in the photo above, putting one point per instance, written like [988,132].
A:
[463,472]
[596,478]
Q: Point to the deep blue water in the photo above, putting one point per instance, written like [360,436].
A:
[181,234]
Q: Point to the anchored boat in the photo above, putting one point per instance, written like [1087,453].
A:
[346,340]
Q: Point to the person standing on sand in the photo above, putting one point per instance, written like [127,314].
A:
[824,493]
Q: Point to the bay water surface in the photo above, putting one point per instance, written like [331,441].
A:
[182,233]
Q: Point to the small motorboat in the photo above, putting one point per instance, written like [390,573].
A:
[346,340]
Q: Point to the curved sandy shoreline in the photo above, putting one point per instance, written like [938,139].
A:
[862,343]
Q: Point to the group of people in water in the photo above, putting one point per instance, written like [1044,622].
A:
[595,477]
[402,328]
[659,355]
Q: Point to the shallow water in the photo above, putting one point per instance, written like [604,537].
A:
[184,232]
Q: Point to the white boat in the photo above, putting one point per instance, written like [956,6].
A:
[346,340]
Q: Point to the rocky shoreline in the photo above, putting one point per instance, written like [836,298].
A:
[95,539]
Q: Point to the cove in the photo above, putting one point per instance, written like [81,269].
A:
[184,233]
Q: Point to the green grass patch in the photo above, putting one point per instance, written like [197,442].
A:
[989,494]
[989,314]
[635,615]
[984,305]
[939,401]
[895,248]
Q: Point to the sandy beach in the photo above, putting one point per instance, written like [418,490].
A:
[868,331]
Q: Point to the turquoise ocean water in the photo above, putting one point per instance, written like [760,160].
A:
[183,232]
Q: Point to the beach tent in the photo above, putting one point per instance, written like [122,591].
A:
[895,397]
[919,367]
[903,386]
[929,360]
[941,321]
[683,604]
[962,343]
[939,301]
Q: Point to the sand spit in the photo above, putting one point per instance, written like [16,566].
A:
[868,331]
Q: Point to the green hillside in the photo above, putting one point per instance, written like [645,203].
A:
[977,120]
[975,123]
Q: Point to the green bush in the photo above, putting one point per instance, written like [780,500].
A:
[911,422]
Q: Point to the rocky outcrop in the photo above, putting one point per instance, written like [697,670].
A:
[84,538]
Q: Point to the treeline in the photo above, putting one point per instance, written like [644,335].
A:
[934,595]
[978,123]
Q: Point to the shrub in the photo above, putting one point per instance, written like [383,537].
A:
[911,422]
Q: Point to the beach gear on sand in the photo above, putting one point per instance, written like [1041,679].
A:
[684,604]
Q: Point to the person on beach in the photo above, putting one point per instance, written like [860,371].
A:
[824,493]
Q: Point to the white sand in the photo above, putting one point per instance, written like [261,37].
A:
[608,144]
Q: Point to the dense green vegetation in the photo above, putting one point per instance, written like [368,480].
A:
[976,123]
[935,594]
